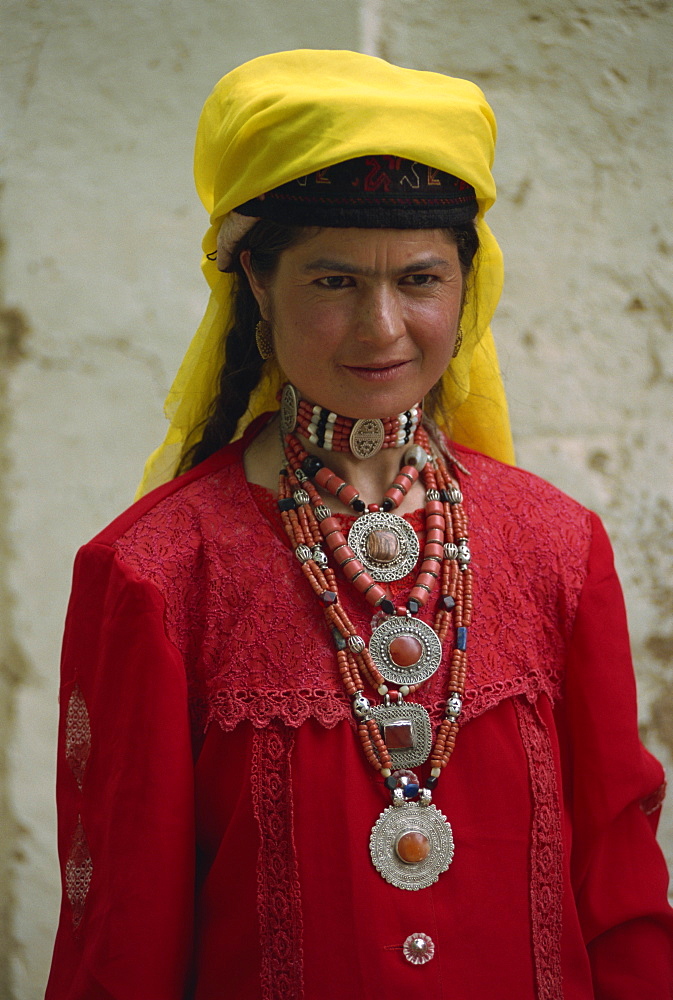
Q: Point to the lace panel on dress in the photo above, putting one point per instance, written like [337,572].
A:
[278,888]
[253,638]
[78,872]
[546,853]
[77,735]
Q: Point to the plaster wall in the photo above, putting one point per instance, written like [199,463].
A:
[100,289]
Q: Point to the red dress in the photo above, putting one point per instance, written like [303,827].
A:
[215,805]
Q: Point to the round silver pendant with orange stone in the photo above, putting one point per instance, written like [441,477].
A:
[411,844]
[386,545]
[405,650]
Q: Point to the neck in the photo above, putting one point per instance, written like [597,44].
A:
[371,477]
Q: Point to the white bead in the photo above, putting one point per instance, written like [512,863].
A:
[313,439]
[382,689]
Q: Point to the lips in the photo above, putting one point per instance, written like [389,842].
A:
[377,366]
[378,371]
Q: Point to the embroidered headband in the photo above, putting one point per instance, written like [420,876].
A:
[371,192]
[368,192]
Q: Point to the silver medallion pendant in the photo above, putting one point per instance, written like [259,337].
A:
[289,407]
[411,845]
[367,437]
[406,731]
[386,545]
[406,650]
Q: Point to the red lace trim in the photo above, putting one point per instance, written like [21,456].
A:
[79,866]
[546,853]
[293,708]
[77,736]
[278,888]
[78,873]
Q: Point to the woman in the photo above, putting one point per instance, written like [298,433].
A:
[265,675]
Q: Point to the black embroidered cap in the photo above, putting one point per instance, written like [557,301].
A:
[371,192]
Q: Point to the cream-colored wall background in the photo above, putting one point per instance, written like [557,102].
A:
[100,290]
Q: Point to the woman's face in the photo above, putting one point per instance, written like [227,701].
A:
[364,320]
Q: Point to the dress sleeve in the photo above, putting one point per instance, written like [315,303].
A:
[614,788]
[124,792]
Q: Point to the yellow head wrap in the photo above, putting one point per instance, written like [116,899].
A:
[288,114]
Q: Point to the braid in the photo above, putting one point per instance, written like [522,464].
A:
[239,375]
[242,369]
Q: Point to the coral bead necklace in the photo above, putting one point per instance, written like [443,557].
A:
[411,843]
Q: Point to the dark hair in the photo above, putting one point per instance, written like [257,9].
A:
[242,368]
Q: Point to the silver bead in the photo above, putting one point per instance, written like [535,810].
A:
[455,496]
[361,706]
[300,475]
[301,497]
[450,550]
[432,495]
[322,512]
[416,456]
[303,553]
[454,706]
[319,557]
[425,797]
[464,554]
[356,644]
[398,797]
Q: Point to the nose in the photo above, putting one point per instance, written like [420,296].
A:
[380,318]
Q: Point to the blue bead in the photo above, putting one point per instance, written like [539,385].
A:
[339,640]
[461,638]
[411,790]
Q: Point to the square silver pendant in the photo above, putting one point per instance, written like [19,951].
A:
[416,717]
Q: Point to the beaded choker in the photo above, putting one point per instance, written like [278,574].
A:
[411,843]
[328,430]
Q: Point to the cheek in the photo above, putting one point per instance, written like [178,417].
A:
[437,322]
[310,328]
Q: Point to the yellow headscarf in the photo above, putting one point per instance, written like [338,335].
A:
[285,115]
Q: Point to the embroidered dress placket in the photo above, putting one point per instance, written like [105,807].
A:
[546,853]
[278,891]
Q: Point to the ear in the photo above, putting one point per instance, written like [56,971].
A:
[256,287]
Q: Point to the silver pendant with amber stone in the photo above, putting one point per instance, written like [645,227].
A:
[406,731]
[411,844]
[386,545]
[405,650]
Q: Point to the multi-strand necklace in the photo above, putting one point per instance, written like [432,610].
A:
[411,843]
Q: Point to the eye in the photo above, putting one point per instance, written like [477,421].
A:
[419,280]
[335,281]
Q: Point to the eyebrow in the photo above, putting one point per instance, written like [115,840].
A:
[346,267]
